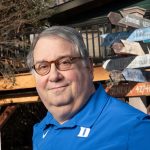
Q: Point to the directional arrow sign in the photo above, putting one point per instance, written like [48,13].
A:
[110,38]
[127,47]
[136,75]
[114,18]
[129,89]
[133,35]
[138,11]
[142,61]
[134,21]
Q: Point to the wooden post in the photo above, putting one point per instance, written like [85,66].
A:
[137,103]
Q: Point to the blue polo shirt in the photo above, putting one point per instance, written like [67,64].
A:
[104,123]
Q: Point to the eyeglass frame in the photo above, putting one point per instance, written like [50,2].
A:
[56,62]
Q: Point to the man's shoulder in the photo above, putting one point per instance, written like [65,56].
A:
[122,109]
[116,108]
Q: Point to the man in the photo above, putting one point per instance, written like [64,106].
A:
[79,116]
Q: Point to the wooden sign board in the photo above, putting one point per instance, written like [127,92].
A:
[140,34]
[127,47]
[118,47]
[132,35]
[142,61]
[110,38]
[138,11]
[134,21]
[114,18]
[134,75]
[129,89]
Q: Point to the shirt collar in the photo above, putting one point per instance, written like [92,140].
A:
[87,115]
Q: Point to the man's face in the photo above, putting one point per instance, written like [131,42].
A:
[63,92]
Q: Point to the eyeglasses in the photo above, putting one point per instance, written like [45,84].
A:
[62,64]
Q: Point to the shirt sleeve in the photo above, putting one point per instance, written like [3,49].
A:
[139,136]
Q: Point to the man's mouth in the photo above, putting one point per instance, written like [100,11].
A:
[58,87]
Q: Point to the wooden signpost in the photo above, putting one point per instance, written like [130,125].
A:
[127,81]
[127,47]
[134,75]
[132,35]
[129,89]
[134,21]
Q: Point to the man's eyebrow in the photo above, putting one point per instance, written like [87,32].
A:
[40,61]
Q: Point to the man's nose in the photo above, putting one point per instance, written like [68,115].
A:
[54,74]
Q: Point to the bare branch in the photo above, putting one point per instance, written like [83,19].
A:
[19,19]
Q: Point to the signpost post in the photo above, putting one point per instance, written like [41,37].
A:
[127,73]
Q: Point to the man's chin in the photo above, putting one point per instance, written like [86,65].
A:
[59,101]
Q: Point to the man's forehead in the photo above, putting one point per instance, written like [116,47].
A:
[49,51]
